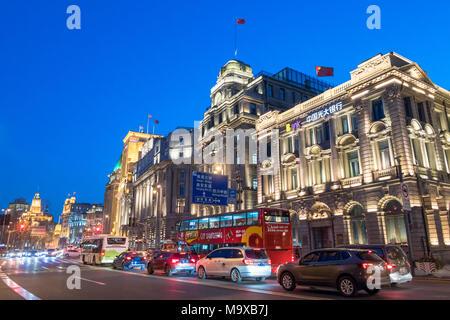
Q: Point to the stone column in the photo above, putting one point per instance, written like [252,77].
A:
[335,165]
[363,115]
[392,100]
[302,172]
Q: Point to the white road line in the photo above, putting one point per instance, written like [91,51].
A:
[16,288]
[97,282]
[212,284]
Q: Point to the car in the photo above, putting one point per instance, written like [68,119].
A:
[72,252]
[130,260]
[397,262]
[347,270]
[172,262]
[237,263]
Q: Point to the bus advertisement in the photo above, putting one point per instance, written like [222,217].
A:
[266,228]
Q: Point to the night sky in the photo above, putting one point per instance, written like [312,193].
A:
[69,97]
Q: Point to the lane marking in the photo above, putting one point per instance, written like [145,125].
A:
[16,288]
[209,284]
[97,282]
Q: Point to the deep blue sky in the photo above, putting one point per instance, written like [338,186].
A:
[68,97]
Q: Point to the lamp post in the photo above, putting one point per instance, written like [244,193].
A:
[406,216]
[5,212]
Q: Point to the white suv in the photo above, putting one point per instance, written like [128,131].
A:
[236,263]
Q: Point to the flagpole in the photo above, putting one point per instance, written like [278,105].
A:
[235,37]
[147,122]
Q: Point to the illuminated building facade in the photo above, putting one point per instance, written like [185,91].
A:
[132,146]
[341,158]
[73,220]
[94,220]
[161,188]
[237,100]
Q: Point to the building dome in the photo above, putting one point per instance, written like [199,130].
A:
[235,66]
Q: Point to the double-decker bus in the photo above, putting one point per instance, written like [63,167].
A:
[267,228]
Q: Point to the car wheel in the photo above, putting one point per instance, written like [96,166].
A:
[287,281]
[347,286]
[235,275]
[150,269]
[168,271]
[114,266]
[201,273]
[371,292]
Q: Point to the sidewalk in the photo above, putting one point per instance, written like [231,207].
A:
[442,274]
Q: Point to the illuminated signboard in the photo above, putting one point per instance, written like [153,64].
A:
[322,113]
[316,115]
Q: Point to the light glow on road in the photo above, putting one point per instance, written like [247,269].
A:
[16,288]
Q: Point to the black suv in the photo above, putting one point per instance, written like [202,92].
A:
[347,270]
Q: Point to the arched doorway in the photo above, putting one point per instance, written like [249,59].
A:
[394,222]
[321,226]
[357,222]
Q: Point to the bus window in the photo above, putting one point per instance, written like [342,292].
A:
[203,223]
[239,219]
[252,218]
[184,225]
[118,240]
[226,221]
[276,216]
[193,224]
[214,222]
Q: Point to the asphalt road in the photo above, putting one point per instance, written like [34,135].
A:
[46,278]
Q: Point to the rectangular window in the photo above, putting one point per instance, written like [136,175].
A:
[214,222]
[255,183]
[253,108]
[226,221]
[408,108]
[203,223]
[385,158]
[220,118]
[293,96]
[182,190]
[252,218]
[269,90]
[326,130]
[417,152]
[282,94]
[431,155]
[193,224]
[239,219]
[377,110]
[294,180]
[236,109]
[421,111]
[319,136]
[353,163]
[344,123]
[355,124]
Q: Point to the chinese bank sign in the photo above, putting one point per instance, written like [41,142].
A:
[316,115]
[209,189]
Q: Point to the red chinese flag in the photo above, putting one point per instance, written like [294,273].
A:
[240,21]
[156,121]
[149,115]
[324,72]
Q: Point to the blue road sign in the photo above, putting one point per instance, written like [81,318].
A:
[209,189]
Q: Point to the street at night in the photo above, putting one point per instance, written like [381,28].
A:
[45,278]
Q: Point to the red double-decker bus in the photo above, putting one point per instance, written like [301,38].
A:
[266,228]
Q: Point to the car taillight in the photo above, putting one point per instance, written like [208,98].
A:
[390,266]
[366,265]
[409,265]
[103,253]
[144,258]
[269,262]
[174,261]
[248,261]
[193,260]
[128,258]
[292,258]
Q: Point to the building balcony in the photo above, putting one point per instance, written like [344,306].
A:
[319,188]
[385,174]
[351,182]
[268,198]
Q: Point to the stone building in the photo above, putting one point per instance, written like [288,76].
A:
[237,100]
[342,156]
[161,188]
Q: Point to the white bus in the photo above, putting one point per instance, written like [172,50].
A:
[102,248]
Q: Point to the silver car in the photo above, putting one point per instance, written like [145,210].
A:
[235,263]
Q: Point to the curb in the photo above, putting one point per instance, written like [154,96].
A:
[430,278]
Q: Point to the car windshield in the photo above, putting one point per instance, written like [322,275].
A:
[396,256]
[117,241]
[256,254]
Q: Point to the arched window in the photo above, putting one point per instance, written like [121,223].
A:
[358,224]
[395,222]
